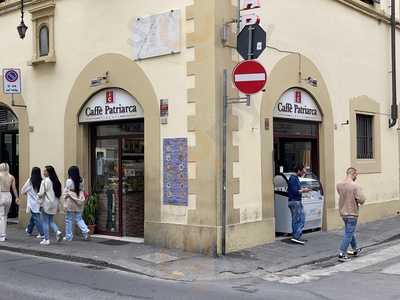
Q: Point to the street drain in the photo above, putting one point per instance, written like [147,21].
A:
[246,288]
[113,243]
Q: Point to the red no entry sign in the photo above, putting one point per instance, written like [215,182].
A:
[249,77]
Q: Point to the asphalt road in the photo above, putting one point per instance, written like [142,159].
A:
[28,277]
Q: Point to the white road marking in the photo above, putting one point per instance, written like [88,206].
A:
[250,77]
[353,265]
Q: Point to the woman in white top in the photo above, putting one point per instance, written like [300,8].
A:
[7,182]
[49,196]
[31,189]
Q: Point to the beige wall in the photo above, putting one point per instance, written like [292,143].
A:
[93,27]
[351,65]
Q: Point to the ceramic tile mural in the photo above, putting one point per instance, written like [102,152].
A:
[175,162]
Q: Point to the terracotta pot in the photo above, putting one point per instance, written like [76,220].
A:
[91,229]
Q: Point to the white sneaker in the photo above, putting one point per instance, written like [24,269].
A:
[45,242]
[297,241]
[59,236]
[2,239]
[40,236]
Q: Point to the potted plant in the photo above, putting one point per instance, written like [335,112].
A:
[89,212]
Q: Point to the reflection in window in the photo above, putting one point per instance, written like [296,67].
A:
[44,41]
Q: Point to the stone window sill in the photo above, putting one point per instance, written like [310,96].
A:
[42,60]
[367,166]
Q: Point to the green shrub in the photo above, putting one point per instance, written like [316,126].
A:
[89,212]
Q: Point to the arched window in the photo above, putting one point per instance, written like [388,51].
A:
[44,41]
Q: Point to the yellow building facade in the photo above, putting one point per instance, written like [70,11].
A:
[96,76]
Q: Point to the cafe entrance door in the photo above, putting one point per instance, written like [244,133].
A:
[118,168]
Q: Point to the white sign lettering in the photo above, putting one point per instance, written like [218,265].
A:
[297,104]
[109,105]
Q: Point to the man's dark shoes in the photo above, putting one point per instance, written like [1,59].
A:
[354,253]
[297,241]
[343,258]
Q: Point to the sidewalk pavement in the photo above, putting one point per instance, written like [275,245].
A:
[170,264]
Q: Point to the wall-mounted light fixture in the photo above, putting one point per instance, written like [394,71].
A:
[22,27]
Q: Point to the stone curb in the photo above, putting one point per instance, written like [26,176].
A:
[96,262]
[150,272]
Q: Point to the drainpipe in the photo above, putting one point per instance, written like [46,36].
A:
[393,113]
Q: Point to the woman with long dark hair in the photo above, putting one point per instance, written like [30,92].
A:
[74,199]
[31,189]
[7,183]
[49,195]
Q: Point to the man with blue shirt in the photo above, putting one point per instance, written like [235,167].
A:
[295,205]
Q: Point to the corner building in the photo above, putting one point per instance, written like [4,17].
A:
[96,77]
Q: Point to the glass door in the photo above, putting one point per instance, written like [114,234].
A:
[132,157]
[118,169]
[107,185]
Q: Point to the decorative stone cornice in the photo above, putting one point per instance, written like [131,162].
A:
[368,10]
[12,5]
[40,9]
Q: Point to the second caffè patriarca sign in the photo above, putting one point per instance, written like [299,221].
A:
[297,104]
[109,105]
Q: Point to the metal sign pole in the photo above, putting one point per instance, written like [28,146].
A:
[224,183]
[238,18]
[249,51]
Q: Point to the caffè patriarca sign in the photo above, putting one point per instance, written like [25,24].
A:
[110,104]
[297,104]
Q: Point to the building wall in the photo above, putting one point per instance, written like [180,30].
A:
[84,31]
[351,51]
[346,45]
[92,39]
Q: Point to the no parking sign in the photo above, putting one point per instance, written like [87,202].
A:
[12,81]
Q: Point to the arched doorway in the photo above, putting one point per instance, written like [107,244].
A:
[128,76]
[9,148]
[296,124]
[286,74]
[115,120]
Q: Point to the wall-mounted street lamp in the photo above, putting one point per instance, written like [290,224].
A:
[22,27]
